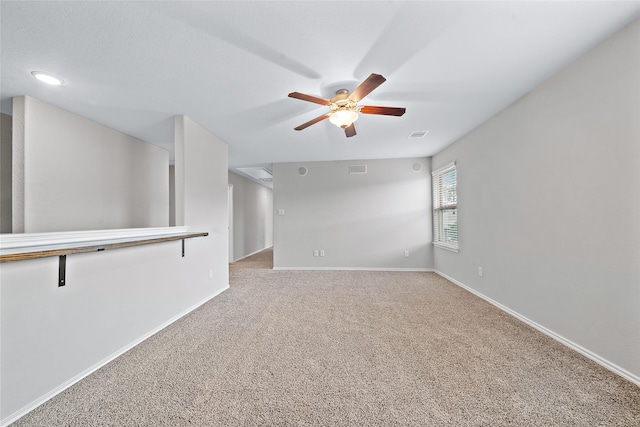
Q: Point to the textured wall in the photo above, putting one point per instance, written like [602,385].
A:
[5,173]
[549,204]
[202,191]
[359,220]
[252,216]
[80,175]
[172,195]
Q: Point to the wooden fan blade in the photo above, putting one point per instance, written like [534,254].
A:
[350,130]
[309,98]
[365,88]
[313,122]
[385,111]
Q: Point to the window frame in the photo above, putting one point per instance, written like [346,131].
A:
[440,207]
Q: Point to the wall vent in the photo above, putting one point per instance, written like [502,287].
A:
[258,173]
[418,134]
[357,169]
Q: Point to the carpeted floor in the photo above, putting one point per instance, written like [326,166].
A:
[345,348]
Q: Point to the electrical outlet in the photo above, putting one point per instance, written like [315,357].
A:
[321,252]
[480,272]
[406,254]
[210,274]
[315,252]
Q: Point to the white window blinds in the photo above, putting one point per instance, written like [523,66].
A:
[445,207]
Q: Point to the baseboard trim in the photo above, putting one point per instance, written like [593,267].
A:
[252,253]
[33,405]
[576,347]
[428,270]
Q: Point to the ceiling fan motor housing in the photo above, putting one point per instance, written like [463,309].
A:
[341,102]
[343,110]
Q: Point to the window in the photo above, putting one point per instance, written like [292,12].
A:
[445,208]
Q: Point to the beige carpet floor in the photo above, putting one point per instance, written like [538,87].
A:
[345,348]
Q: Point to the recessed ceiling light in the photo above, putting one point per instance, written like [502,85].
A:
[47,78]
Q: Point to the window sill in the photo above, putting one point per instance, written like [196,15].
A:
[447,247]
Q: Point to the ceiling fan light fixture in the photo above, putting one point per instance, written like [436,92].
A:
[343,118]
[344,106]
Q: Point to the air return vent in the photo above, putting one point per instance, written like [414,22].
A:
[259,173]
[357,169]
[418,134]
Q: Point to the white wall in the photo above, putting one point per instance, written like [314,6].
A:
[53,336]
[549,205]
[172,195]
[201,190]
[361,221]
[82,175]
[252,216]
[5,174]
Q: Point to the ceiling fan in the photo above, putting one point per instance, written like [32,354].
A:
[344,106]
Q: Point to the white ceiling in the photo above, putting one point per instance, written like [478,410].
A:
[229,66]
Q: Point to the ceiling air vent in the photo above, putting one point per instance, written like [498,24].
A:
[418,134]
[258,173]
[266,180]
[357,169]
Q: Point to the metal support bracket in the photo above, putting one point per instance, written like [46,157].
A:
[62,266]
[92,246]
